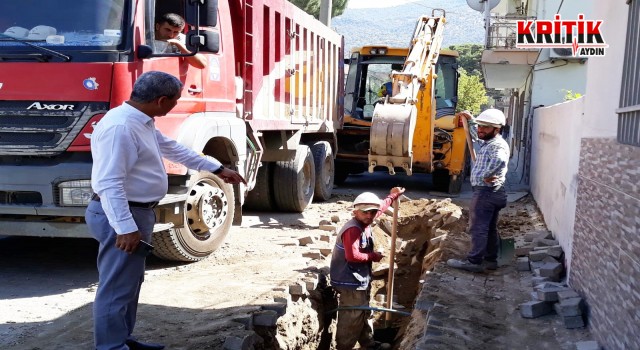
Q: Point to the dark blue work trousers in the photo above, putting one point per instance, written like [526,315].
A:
[483,217]
[120,278]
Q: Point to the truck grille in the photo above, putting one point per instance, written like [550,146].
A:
[41,128]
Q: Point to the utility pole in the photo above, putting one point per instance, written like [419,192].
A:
[325,12]
[487,22]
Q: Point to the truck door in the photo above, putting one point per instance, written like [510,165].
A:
[191,100]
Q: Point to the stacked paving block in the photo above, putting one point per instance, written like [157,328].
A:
[542,255]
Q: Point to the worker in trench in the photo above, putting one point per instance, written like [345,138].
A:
[350,271]
[488,177]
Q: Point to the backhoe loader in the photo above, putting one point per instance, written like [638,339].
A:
[400,110]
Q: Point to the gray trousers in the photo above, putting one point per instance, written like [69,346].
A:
[120,278]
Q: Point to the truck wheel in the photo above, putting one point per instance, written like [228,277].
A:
[294,181]
[443,182]
[260,198]
[208,213]
[323,160]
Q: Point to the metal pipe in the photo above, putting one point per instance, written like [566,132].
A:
[372,308]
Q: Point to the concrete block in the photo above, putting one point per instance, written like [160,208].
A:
[330,228]
[312,255]
[335,219]
[549,293]
[265,318]
[535,265]
[549,259]
[303,241]
[550,269]
[523,251]
[239,341]
[279,308]
[325,251]
[555,251]
[542,242]
[567,294]
[246,320]
[587,345]
[533,309]
[537,255]
[529,237]
[537,280]
[298,289]
[522,264]
[325,238]
[570,307]
[572,322]
[311,284]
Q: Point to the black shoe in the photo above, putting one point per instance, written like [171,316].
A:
[490,265]
[137,345]
[465,265]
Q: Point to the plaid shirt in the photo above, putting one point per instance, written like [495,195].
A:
[492,159]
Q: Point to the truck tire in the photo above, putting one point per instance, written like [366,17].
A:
[323,160]
[260,198]
[208,214]
[443,182]
[294,181]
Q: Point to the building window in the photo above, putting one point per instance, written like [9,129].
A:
[629,111]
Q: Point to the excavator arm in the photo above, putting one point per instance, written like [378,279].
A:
[394,120]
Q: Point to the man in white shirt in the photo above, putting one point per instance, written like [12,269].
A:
[169,38]
[128,178]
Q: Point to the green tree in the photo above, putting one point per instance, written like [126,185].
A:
[470,55]
[471,92]
[312,7]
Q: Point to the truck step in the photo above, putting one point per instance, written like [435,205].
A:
[162,227]
[173,198]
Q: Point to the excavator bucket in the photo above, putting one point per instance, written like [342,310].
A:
[391,136]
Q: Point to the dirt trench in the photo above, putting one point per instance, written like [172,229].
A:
[305,320]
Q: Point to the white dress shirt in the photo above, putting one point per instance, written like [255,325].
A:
[127,153]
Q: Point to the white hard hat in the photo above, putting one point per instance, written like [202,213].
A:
[41,32]
[366,201]
[17,32]
[491,117]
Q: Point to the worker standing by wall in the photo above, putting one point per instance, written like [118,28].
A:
[488,177]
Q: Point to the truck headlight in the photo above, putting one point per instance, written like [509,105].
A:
[75,193]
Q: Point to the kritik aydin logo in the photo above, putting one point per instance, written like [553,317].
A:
[583,37]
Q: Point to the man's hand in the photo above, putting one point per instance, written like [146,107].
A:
[231,176]
[399,190]
[128,242]
[377,256]
[465,114]
[490,180]
[178,44]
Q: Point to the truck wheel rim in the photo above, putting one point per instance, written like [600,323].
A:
[207,209]
[327,170]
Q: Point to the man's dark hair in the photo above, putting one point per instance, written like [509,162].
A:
[154,84]
[173,19]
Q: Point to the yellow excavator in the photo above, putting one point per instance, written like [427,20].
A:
[400,110]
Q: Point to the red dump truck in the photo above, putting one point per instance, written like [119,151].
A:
[267,105]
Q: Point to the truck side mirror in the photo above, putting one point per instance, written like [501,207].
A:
[203,40]
[208,12]
[144,51]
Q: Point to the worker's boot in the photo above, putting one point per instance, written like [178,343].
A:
[490,265]
[465,265]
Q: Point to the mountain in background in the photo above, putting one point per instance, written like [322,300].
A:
[394,26]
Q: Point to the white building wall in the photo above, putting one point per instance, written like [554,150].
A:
[604,74]
[555,158]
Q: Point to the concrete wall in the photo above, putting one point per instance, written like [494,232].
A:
[555,156]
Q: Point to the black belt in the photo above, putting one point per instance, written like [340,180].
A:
[492,188]
[147,205]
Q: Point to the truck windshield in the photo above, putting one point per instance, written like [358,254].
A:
[61,23]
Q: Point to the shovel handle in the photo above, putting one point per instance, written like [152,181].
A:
[392,253]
